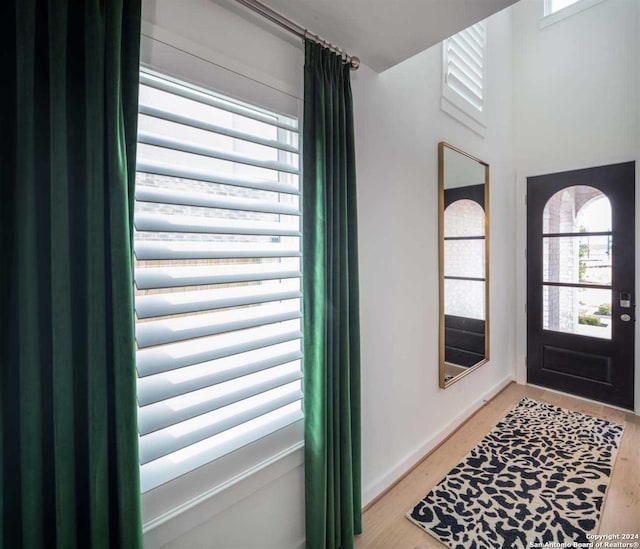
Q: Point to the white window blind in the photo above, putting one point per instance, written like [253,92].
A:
[464,64]
[217,274]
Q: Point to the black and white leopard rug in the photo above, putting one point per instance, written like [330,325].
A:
[539,476]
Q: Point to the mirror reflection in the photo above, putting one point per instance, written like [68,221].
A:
[464,339]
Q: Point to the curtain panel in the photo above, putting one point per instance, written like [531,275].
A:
[331,310]
[69,469]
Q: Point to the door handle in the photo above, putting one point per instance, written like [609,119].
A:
[625,318]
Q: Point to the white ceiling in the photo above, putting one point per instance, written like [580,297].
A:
[382,33]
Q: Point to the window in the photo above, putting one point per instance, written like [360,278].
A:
[217,273]
[551,6]
[463,72]
[557,10]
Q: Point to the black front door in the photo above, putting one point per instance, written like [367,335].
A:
[580,282]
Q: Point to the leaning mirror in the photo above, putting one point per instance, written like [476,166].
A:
[463,197]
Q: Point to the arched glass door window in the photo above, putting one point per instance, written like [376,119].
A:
[577,254]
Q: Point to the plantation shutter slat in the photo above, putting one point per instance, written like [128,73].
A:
[180,89]
[170,277]
[159,332]
[161,443]
[472,72]
[476,33]
[203,300]
[203,250]
[218,301]
[169,142]
[186,224]
[221,130]
[167,358]
[164,414]
[464,87]
[207,200]
[156,388]
[467,48]
[168,467]
[152,166]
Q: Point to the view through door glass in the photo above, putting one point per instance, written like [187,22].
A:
[577,268]
[580,282]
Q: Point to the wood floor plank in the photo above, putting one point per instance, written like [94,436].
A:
[384,523]
[621,513]
[611,414]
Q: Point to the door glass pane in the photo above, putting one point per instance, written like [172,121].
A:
[464,298]
[577,259]
[464,258]
[583,311]
[577,209]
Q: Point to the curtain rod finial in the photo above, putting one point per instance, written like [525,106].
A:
[355,63]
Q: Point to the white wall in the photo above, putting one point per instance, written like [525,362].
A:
[398,126]
[576,105]
[270,518]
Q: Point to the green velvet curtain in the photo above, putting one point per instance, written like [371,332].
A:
[331,314]
[69,469]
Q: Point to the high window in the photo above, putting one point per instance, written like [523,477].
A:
[463,71]
[551,6]
[557,10]
[217,274]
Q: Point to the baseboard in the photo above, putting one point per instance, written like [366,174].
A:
[375,490]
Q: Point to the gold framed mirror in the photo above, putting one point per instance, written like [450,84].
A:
[463,250]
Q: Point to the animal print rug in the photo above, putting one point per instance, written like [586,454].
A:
[539,476]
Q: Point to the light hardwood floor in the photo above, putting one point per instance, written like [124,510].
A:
[384,523]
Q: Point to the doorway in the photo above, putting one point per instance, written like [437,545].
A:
[580,282]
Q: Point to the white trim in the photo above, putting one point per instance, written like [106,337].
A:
[585,399]
[178,57]
[559,15]
[193,48]
[180,520]
[460,115]
[369,493]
